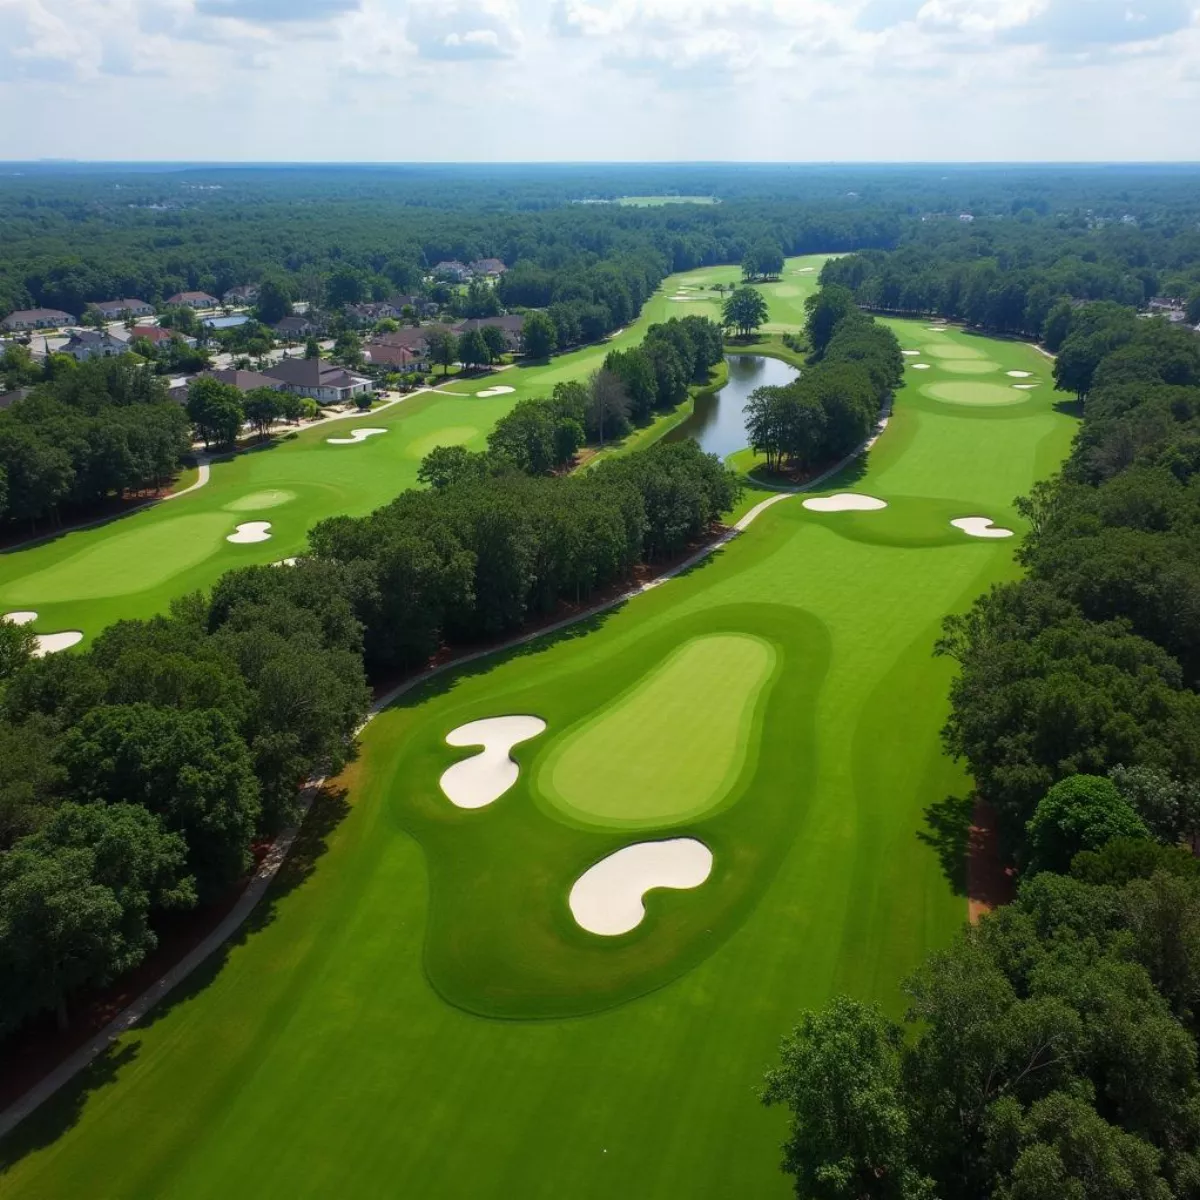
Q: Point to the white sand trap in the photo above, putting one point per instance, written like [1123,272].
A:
[286,562]
[980,527]
[845,502]
[52,643]
[22,617]
[251,531]
[356,436]
[476,782]
[1025,387]
[910,353]
[607,897]
[804,270]
[919,366]
[500,390]
[1018,374]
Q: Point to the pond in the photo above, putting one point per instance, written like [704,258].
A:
[717,423]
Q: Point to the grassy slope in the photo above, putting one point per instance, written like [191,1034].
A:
[320,1061]
[134,566]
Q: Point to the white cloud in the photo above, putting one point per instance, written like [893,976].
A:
[620,79]
[458,29]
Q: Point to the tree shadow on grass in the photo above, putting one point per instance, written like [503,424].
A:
[47,1123]
[948,832]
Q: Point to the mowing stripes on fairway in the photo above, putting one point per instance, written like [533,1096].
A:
[607,898]
[476,782]
[131,561]
[673,746]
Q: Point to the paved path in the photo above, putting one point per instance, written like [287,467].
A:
[278,852]
[205,473]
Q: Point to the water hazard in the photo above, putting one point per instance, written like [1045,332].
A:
[717,423]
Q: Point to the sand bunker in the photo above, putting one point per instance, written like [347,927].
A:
[476,782]
[910,352]
[356,436]
[1024,387]
[980,527]
[937,328]
[250,531]
[919,366]
[607,897]
[1018,374]
[804,270]
[52,643]
[845,502]
[22,617]
[499,390]
[286,562]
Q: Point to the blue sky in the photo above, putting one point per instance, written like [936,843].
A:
[758,80]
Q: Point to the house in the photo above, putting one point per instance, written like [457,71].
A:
[157,335]
[244,381]
[294,329]
[319,380]
[421,305]
[85,344]
[399,358]
[452,269]
[37,318]
[373,312]
[487,268]
[245,293]
[511,325]
[966,218]
[193,300]
[1172,307]
[117,310]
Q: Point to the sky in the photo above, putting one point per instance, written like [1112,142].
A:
[600,80]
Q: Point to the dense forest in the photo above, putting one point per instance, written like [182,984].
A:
[73,235]
[1052,1050]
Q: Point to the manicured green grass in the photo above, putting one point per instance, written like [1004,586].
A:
[352,1044]
[659,201]
[134,566]
[652,756]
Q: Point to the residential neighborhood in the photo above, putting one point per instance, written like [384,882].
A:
[37,318]
[193,300]
[117,310]
[319,380]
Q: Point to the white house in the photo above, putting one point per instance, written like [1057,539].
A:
[87,343]
[319,380]
[246,293]
[37,318]
[452,269]
[116,310]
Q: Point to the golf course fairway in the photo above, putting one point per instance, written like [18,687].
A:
[134,566]
[414,1010]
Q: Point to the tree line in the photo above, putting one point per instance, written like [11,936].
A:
[1051,1051]
[1012,275]
[140,773]
[854,366]
[90,431]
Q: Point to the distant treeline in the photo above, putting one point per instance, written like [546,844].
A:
[855,365]
[1011,276]
[138,774]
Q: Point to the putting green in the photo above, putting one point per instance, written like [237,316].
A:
[673,747]
[986,394]
[370,982]
[126,562]
[271,498]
